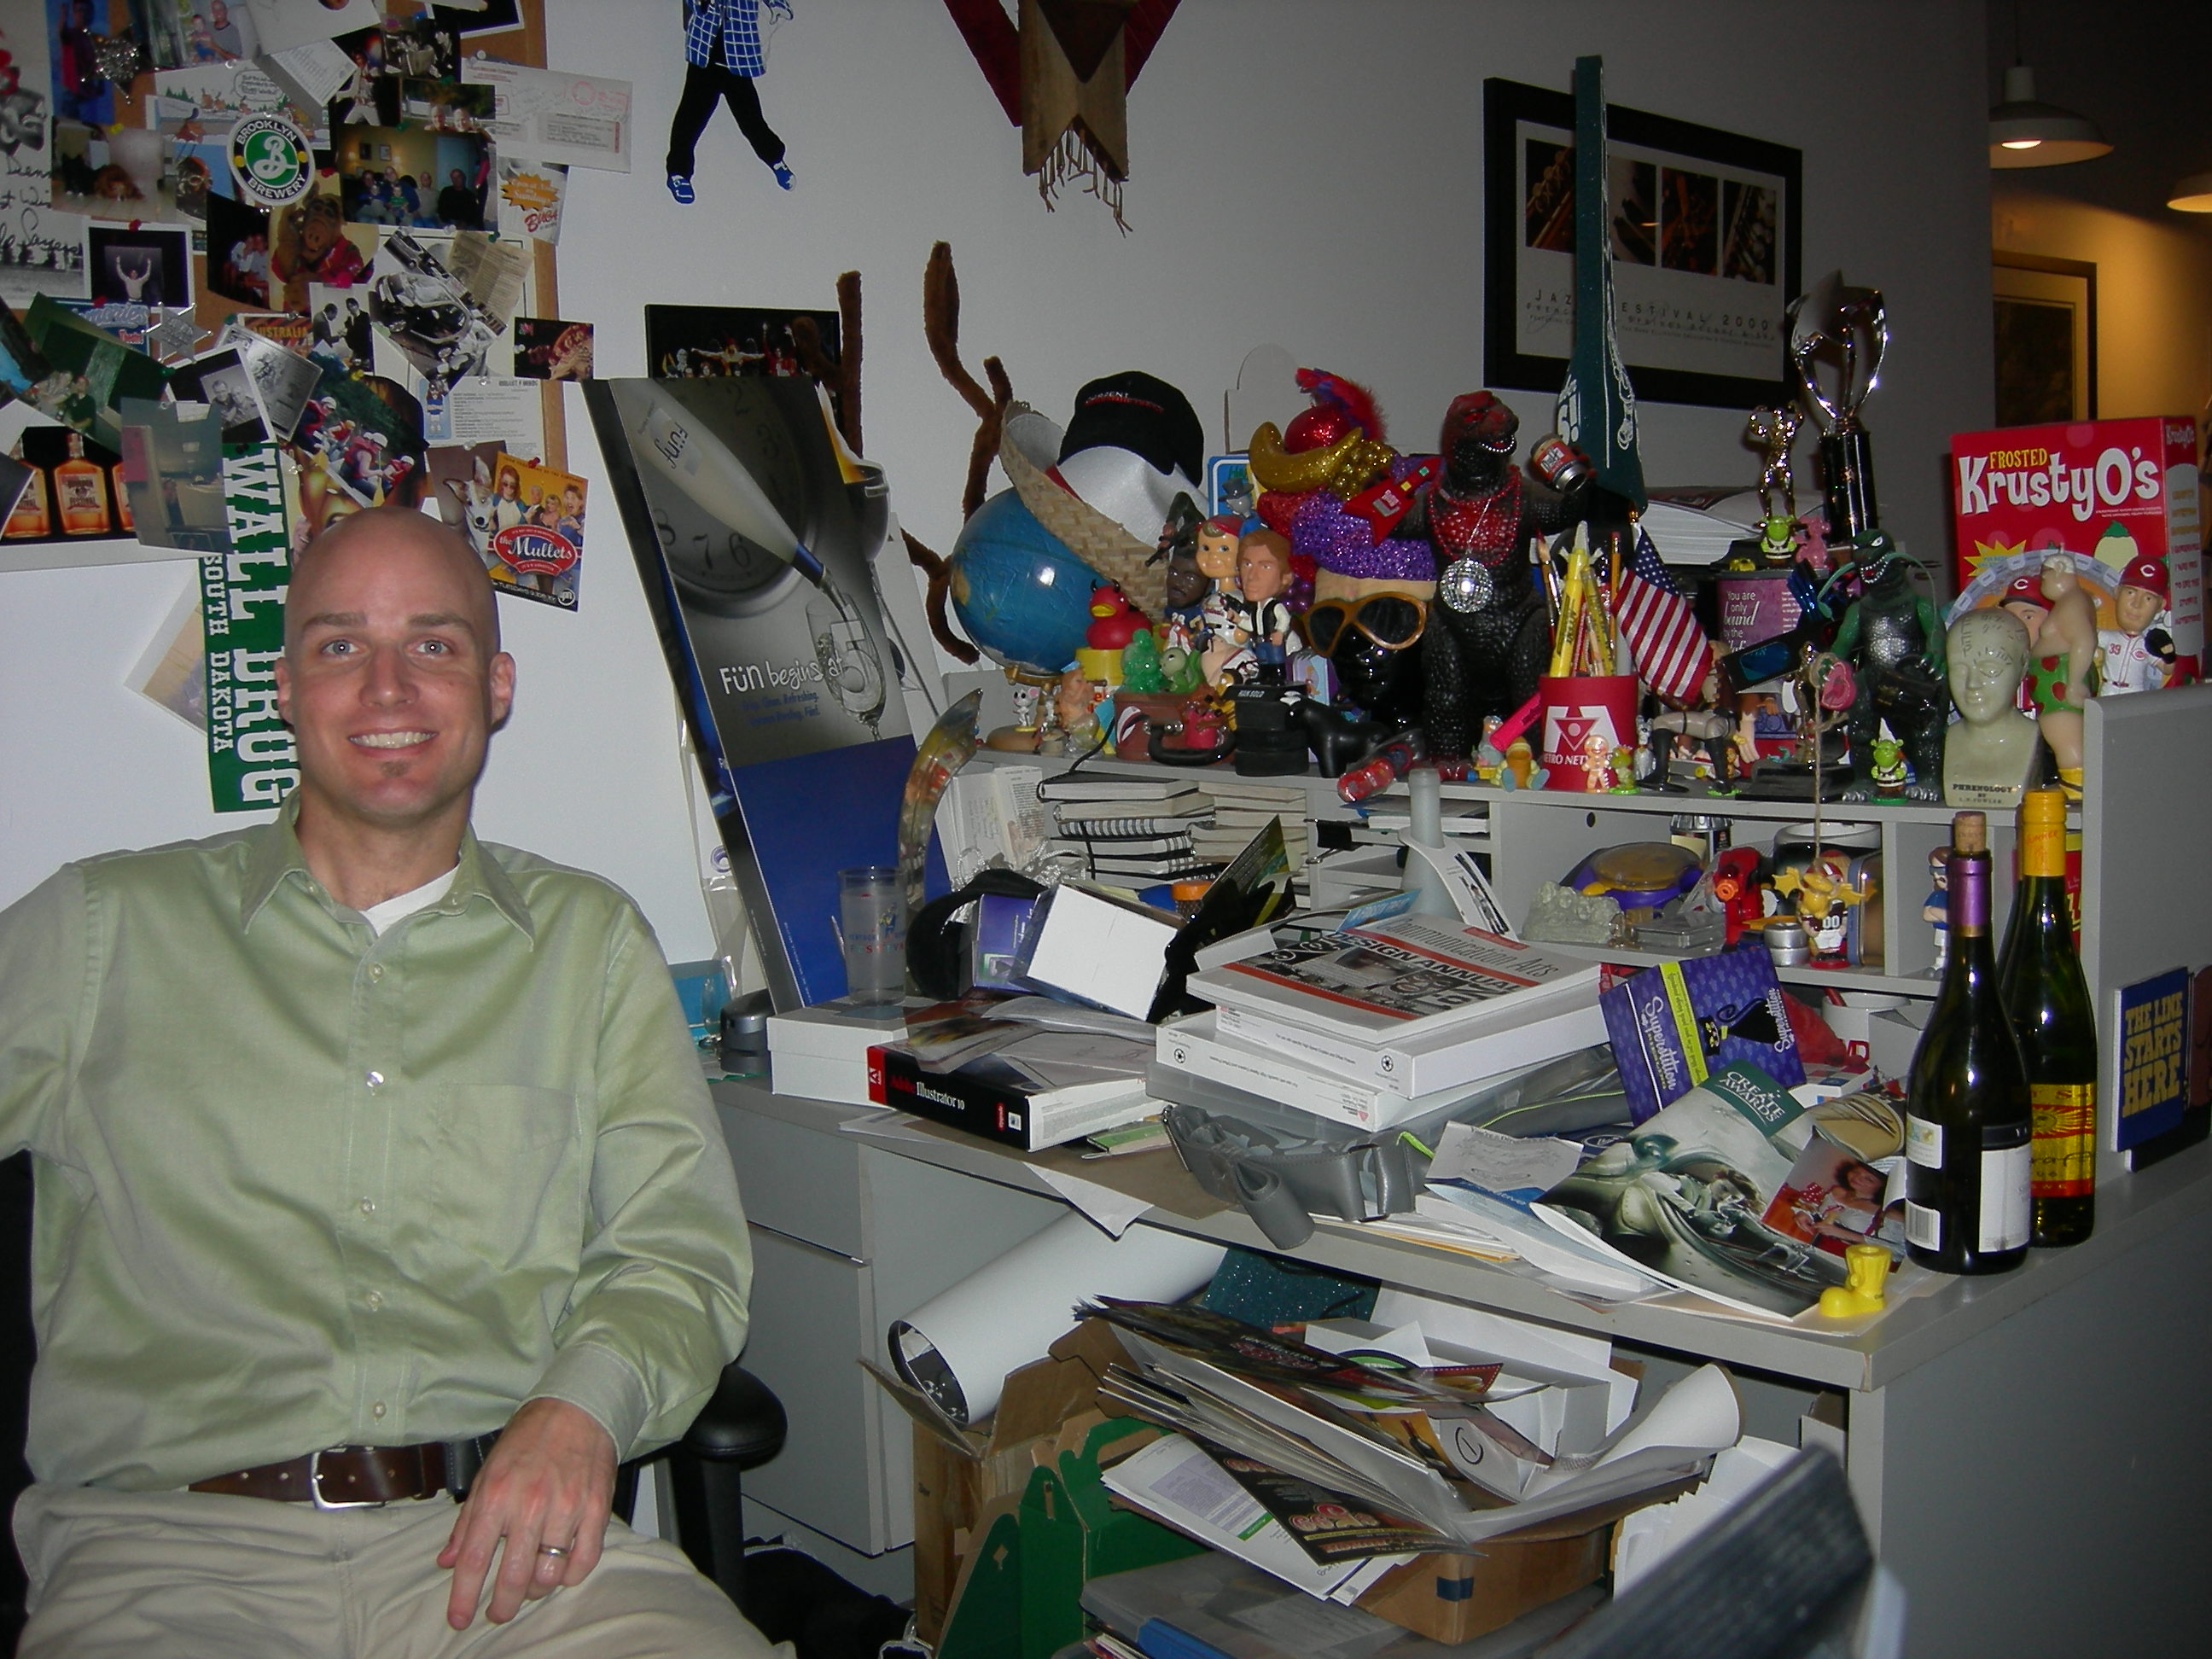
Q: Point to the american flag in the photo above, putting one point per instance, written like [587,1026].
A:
[1672,655]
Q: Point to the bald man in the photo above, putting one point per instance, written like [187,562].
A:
[359,1142]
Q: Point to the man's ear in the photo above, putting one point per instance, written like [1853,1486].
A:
[502,689]
[284,688]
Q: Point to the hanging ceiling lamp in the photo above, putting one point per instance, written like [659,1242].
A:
[2192,195]
[2024,133]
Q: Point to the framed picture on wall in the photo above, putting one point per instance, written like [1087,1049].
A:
[1706,230]
[2046,313]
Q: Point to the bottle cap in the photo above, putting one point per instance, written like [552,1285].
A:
[1970,833]
[2043,806]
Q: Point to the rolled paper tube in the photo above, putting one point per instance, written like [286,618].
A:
[958,1346]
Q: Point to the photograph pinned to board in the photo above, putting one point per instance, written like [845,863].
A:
[201,31]
[284,379]
[411,178]
[286,328]
[340,335]
[70,495]
[537,532]
[89,371]
[220,381]
[314,244]
[171,477]
[460,486]
[130,324]
[237,251]
[41,251]
[478,16]
[426,312]
[172,674]
[15,478]
[282,24]
[22,365]
[529,199]
[139,265]
[446,106]
[548,348]
[365,436]
[208,98]
[702,342]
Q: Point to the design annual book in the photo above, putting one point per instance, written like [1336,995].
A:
[1398,977]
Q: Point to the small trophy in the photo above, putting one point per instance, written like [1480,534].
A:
[1773,431]
[1848,327]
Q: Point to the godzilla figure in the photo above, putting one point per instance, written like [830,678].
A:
[1894,638]
[1488,637]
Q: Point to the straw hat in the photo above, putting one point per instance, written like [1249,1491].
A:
[1099,488]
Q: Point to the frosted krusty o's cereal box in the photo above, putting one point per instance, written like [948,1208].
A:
[2111,491]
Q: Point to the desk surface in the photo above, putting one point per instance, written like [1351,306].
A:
[2130,1215]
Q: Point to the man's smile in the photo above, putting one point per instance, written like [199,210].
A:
[390,739]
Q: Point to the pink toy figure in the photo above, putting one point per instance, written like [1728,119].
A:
[2061,673]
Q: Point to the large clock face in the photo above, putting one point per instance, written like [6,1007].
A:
[731,572]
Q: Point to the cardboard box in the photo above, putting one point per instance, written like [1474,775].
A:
[2108,490]
[960,1473]
[1458,1596]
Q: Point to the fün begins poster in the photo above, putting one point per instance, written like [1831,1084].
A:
[755,531]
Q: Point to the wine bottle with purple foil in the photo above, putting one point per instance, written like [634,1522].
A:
[1968,1117]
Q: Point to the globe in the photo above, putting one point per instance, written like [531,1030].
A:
[1020,595]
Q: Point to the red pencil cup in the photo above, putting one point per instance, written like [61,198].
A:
[1573,706]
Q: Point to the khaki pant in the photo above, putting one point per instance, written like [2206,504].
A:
[185,1574]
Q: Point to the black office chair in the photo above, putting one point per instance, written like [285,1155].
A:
[741,1427]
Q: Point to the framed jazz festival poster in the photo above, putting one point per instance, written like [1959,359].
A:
[1705,238]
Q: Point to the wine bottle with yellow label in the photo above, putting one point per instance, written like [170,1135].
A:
[2040,981]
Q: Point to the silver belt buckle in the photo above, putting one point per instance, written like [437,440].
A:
[315,1487]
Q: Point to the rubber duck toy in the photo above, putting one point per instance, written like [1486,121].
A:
[1113,622]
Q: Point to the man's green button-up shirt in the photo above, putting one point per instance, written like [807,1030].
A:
[300,1186]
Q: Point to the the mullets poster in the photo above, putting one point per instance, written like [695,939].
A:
[535,544]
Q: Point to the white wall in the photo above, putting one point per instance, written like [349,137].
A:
[1271,141]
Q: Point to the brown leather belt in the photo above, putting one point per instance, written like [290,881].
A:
[343,1478]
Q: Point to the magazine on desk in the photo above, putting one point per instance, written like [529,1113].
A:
[1402,977]
[1449,1464]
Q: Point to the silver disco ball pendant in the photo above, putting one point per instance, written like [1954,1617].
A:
[1466,585]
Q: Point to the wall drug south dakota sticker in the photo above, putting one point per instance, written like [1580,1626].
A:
[270,161]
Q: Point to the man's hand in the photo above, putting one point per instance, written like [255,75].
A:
[548,1483]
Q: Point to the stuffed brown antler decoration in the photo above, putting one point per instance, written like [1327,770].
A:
[940,325]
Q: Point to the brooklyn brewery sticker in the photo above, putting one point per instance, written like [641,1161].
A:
[270,159]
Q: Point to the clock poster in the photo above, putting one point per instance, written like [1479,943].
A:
[754,529]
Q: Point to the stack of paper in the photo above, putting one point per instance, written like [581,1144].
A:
[1429,1451]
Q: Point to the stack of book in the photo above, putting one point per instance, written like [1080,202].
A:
[1242,810]
[1385,1023]
[1129,839]
[1029,1072]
